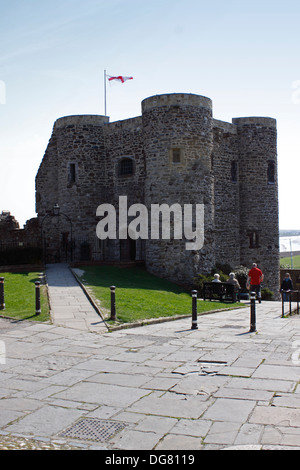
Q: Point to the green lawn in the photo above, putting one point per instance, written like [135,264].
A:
[286,262]
[140,295]
[19,296]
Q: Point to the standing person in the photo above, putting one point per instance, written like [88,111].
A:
[255,278]
[286,286]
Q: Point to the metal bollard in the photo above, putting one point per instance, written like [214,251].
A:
[37,298]
[113,316]
[2,303]
[253,312]
[282,304]
[194,310]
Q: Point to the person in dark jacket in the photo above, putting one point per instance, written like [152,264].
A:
[286,286]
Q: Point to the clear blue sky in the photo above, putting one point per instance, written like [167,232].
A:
[244,55]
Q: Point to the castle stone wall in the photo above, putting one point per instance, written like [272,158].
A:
[226,194]
[185,124]
[259,227]
[179,155]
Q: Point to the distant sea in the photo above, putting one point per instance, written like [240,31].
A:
[286,242]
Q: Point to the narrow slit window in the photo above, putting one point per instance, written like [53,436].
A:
[271,172]
[253,239]
[234,172]
[72,173]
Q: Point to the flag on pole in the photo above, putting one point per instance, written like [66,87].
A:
[120,78]
[111,80]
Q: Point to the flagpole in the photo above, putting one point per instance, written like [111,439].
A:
[105,111]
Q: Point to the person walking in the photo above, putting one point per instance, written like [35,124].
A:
[255,278]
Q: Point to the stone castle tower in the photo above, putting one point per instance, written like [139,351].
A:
[174,153]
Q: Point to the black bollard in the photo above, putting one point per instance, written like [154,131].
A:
[282,303]
[2,303]
[194,310]
[113,303]
[253,312]
[37,298]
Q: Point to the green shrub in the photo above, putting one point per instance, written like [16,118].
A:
[267,294]
[241,274]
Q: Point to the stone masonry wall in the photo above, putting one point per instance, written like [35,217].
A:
[259,234]
[180,155]
[184,123]
[124,140]
[226,194]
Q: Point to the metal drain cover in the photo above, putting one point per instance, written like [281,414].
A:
[93,429]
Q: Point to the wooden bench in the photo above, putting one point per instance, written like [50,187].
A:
[221,291]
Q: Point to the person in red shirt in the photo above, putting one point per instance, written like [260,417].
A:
[255,278]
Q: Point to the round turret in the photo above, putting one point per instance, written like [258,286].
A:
[178,142]
[178,132]
[256,121]
[81,120]
[259,229]
[176,99]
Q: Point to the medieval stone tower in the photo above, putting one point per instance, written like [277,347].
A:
[174,153]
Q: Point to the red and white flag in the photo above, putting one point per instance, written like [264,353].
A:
[113,80]
[119,79]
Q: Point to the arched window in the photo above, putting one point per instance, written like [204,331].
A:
[271,172]
[126,167]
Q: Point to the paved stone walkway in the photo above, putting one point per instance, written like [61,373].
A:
[162,387]
[69,305]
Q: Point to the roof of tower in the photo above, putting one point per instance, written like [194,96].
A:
[262,121]
[87,119]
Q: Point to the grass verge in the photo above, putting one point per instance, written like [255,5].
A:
[286,262]
[139,294]
[19,297]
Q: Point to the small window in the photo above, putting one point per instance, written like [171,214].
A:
[176,155]
[72,173]
[234,172]
[271,172]
[126,167]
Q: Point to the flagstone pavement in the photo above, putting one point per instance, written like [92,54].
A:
[157,387]
[70,306]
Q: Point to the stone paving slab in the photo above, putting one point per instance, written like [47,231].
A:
[69,305]
[173,388]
